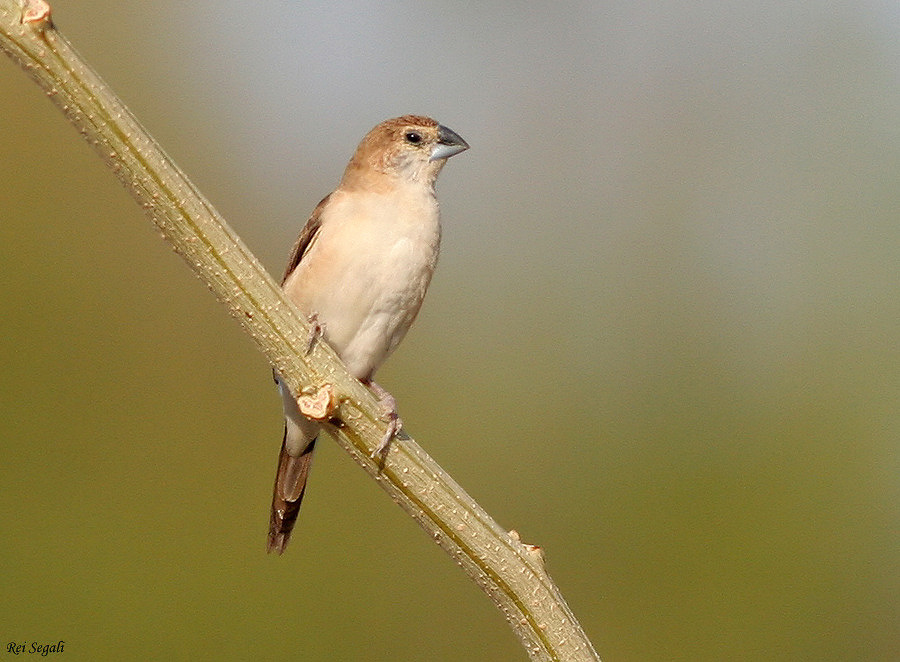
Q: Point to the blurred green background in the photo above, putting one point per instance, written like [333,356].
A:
[661,342]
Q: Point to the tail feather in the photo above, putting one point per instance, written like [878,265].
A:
[290,483]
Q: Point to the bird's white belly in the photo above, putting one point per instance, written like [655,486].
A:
[373,305]
[365,280]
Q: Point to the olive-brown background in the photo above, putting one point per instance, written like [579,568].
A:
[661,342]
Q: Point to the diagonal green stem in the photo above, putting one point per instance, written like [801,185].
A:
[511,573]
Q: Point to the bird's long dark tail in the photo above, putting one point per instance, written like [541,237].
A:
[290,483]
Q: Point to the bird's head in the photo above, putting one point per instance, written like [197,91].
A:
[412,147]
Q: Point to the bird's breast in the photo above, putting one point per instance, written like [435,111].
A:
[367,271]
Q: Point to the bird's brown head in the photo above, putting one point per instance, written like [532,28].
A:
[411,147]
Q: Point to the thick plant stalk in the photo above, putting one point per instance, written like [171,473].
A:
[510,572]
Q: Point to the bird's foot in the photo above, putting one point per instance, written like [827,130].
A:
[316,331]
[388,413]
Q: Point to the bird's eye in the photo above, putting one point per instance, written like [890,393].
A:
[413,137]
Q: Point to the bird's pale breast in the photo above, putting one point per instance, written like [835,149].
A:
[366,273]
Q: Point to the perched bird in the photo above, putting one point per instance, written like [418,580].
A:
[360,270]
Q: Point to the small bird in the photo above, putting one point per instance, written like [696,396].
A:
[359,270]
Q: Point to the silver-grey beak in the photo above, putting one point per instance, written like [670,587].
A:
[449,143]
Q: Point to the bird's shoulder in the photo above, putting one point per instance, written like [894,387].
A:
[306,238]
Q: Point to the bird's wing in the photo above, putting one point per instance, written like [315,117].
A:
[306,238]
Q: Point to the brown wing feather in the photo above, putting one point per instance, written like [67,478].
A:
[306,238]
[290,484]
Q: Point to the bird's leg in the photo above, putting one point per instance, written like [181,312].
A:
[389,413]
[316,331]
